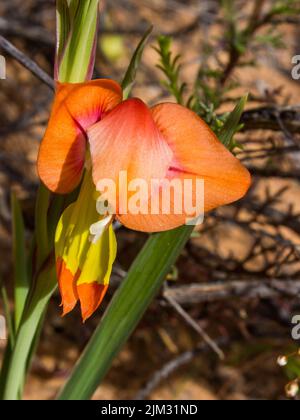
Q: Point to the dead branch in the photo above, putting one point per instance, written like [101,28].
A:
[250,289]
[29,64]
[274,173]
[192,323]
[275,217]
[269,118]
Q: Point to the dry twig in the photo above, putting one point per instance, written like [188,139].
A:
[248,289]
[29,64]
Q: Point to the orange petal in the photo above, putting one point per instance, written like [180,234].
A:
[127,140]
[90,296]
[67,286]
[197,154]
[76,107]
[152,223]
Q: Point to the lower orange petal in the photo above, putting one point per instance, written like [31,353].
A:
[67,286]
[90,296]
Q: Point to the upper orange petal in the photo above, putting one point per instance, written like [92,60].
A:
[199,154]
[128,141]
[90,296]
[76,107]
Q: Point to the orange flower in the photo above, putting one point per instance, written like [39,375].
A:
[90,126]
[165,142]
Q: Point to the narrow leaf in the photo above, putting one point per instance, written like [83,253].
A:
[21,286]
[41,227]
[232,124]
[63,25]
[45,286]
[130,75]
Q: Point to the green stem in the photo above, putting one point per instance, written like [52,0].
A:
[128,305]
[41,225]
[78,57]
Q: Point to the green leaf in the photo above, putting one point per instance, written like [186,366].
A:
[232,124]
[22,285]
[34,311]
[127,307]
[130,75]
[5,368]
[41,224]
[63,21]
[79,51]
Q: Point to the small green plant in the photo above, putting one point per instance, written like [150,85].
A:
[171,67]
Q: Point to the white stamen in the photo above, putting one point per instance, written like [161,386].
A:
[97,229]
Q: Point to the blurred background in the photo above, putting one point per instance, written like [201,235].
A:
[235,288]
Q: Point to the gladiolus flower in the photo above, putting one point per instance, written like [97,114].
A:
[164,143]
